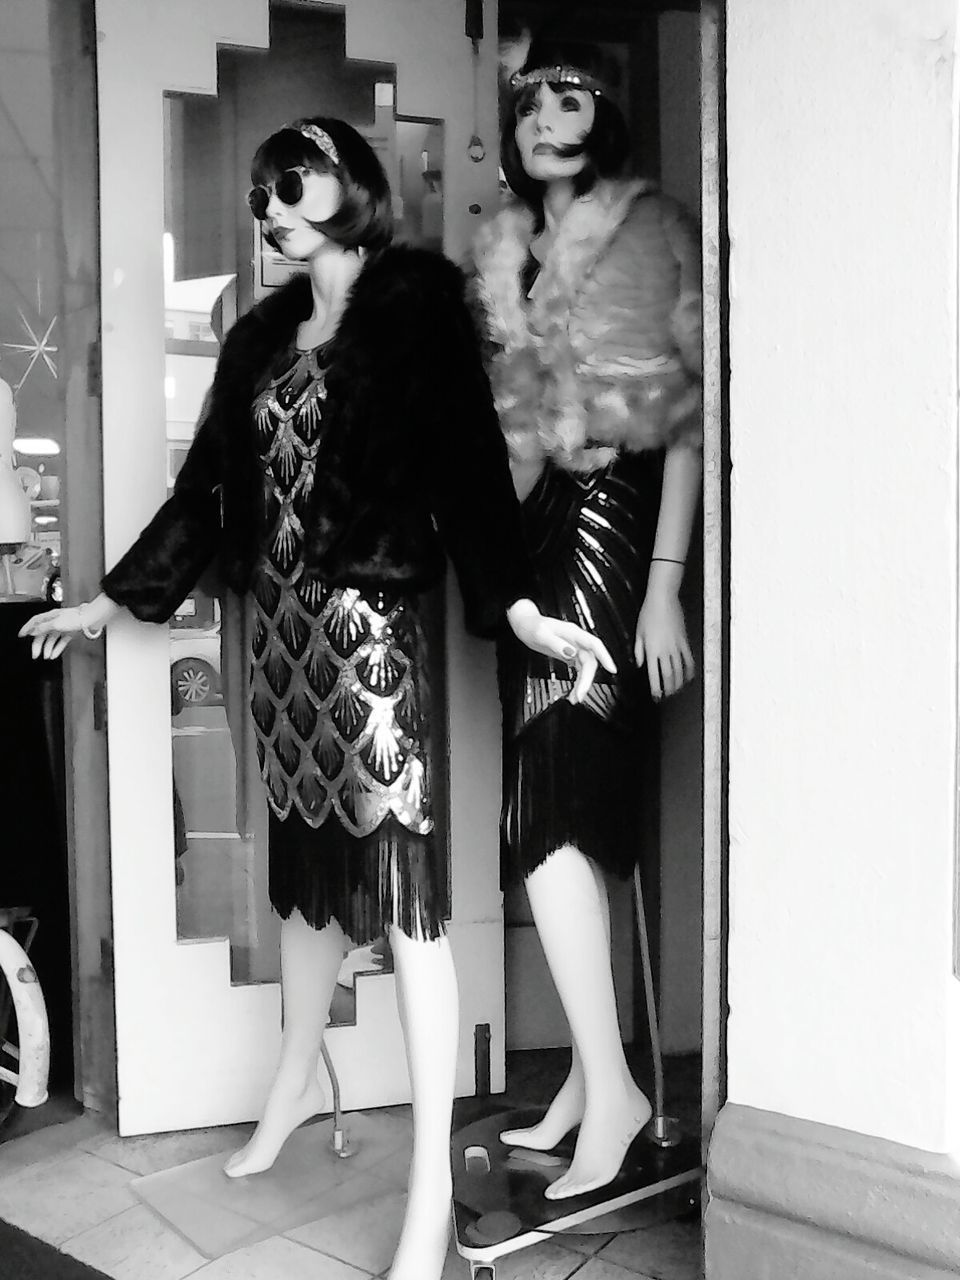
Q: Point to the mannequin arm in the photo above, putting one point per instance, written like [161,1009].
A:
[564,641]
[661,640]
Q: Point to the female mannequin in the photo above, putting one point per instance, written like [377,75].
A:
[348,441]
[590,285]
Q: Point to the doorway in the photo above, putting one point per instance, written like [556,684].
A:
[199,954]
[663,67]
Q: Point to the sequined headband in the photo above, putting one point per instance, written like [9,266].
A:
[320,138]
[572,76]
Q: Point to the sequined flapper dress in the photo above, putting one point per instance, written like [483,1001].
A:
[576,774]
[340,704]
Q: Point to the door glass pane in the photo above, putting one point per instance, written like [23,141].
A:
[48,270]
[217,267]
[49,454]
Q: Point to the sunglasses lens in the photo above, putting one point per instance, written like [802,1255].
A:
[258,199]
[289,187]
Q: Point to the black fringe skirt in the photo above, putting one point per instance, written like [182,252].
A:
[583,775]
[365,883]
[341,706]
[571,778]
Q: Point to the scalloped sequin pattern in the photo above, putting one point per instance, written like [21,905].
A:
[337,683]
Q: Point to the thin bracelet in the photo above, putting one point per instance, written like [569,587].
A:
[666,560]
[89,632]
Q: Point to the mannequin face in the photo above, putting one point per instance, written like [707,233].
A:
[555,117]
[290,224]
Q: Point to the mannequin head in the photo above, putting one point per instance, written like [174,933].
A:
[334,183]
[557,129]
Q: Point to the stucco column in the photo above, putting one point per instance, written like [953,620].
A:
[844,1010]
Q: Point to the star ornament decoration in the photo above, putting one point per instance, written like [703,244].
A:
[38,348]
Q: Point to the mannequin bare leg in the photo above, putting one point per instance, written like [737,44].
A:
[310,960]
[429,1014]
[566,1109]
[563,1113]
[568,905]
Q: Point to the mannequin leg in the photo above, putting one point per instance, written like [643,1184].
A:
[566,1109]
[429,1014]
[567,900]
[310,960]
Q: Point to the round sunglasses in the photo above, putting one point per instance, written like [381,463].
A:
[288,189]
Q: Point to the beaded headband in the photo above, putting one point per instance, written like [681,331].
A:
[572,76]
[320,138]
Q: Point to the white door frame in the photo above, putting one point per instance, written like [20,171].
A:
[192,1050]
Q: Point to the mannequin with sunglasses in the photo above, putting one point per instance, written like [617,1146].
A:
[590,287]
[349,442]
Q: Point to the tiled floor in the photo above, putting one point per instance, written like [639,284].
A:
[79,1187]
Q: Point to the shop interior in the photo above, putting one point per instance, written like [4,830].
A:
[215,267]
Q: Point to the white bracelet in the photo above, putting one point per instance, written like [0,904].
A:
[89,632]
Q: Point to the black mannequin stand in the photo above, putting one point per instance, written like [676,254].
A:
[499,1205]
[498,1201]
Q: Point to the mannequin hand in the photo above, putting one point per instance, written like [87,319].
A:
[564,641]
[52,631]
[662,644]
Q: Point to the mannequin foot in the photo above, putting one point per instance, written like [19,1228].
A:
[565,1111]
[425,1237]
[606,1132]
[287,1108]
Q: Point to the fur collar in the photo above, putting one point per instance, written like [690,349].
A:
[583,236]
[588,364]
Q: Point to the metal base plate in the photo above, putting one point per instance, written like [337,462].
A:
[498,1200]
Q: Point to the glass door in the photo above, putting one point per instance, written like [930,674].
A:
[196,955]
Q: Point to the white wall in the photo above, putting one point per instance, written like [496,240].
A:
[843,329]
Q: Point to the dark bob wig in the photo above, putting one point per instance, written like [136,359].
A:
[607,145]
[365,217]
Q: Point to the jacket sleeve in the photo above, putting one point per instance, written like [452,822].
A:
[165,562]
[469,485]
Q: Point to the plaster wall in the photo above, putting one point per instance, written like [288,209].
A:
[843,401]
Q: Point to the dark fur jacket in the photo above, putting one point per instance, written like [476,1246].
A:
[412,462]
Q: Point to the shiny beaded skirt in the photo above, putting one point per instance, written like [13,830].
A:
[583,775]
[341,709]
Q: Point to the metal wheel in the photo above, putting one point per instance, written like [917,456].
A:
[194,682]
[24,1030]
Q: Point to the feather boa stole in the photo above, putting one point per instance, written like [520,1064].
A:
[591,362]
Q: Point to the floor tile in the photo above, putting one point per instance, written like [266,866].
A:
[278,1259]
[587,1245]
[58,1198]
[359,1189]
[394,1168]
[60,1108]
[546,1261]
[599,1269]
[211,1228]
[217,1214]
[365,1236]
[668,1252]
[136,1245]
[50,1142]
[156,1152]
